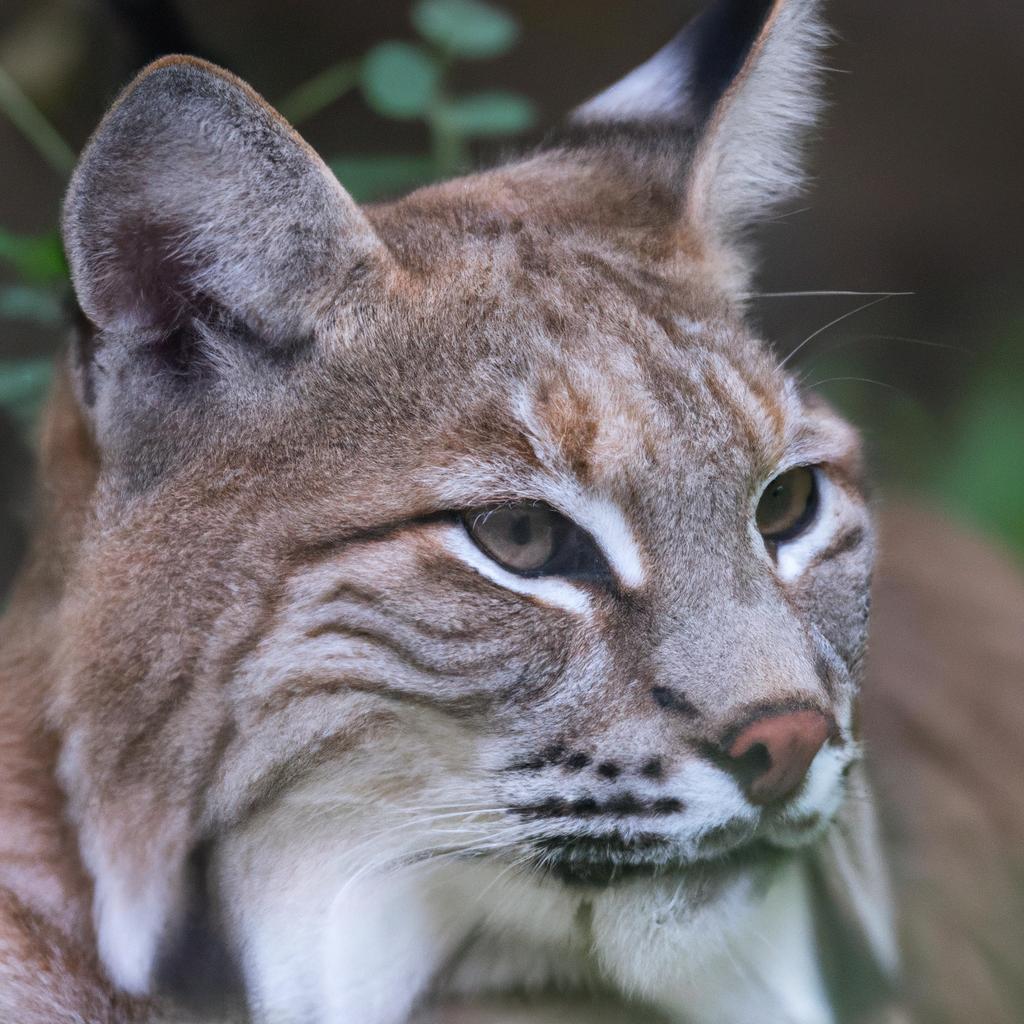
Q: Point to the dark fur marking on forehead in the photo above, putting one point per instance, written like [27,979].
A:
[736,411]
[569,417]
[647,289]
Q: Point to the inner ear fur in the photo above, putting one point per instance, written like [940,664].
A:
[195,198]
[717,118]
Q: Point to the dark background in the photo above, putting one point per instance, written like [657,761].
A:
[917,188]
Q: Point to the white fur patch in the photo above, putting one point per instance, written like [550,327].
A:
[747,958]
[794,556]
[128,927]
[607,523]
[713,799]
[691,327]
[656,89]
[554,592]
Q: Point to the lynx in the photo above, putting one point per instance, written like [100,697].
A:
[454,599]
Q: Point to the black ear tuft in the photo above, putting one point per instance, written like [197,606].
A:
[732,95]
[719,41]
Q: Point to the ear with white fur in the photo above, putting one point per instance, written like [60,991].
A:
[202,232]
[734,93]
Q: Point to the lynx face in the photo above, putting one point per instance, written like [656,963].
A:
[470,529]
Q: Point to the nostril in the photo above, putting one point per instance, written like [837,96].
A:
[770,756]
[751,765]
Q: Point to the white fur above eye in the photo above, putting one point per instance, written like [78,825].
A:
[607,523]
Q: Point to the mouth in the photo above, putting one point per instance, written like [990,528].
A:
[603,860]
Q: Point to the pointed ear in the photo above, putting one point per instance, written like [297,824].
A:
[733,93]
[196,205]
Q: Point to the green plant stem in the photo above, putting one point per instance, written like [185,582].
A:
[448,148]
[29,120]
[447,145]
[320,91]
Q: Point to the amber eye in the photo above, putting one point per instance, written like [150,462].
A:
[532,539]
[788,504]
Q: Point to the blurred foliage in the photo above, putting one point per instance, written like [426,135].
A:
[398,80]
[23,386]
[983,471]
[974,467]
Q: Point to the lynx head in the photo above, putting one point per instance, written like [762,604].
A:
[478,522]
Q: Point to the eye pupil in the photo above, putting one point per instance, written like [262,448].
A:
[521,530]
[532,539]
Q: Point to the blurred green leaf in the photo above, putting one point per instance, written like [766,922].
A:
[488,114]
[31,122]
[320,91]
[34,303]
[465,28]
[985,472]
[38,259]
[400,80]
[374,177]
[23,387]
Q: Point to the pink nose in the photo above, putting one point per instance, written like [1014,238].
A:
[770,757]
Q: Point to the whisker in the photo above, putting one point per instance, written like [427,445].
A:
[832,323]
[810,294]
[919,341]
[861,380]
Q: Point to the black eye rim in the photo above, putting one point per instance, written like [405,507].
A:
[806,518]
[576,555]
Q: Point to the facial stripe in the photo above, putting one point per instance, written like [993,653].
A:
[760,419]
[353,633]
[556,593]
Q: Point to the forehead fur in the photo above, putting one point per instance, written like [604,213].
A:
[592,326]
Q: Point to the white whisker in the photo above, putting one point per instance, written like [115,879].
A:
[832,323]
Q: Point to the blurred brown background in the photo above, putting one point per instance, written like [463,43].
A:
[917,189]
